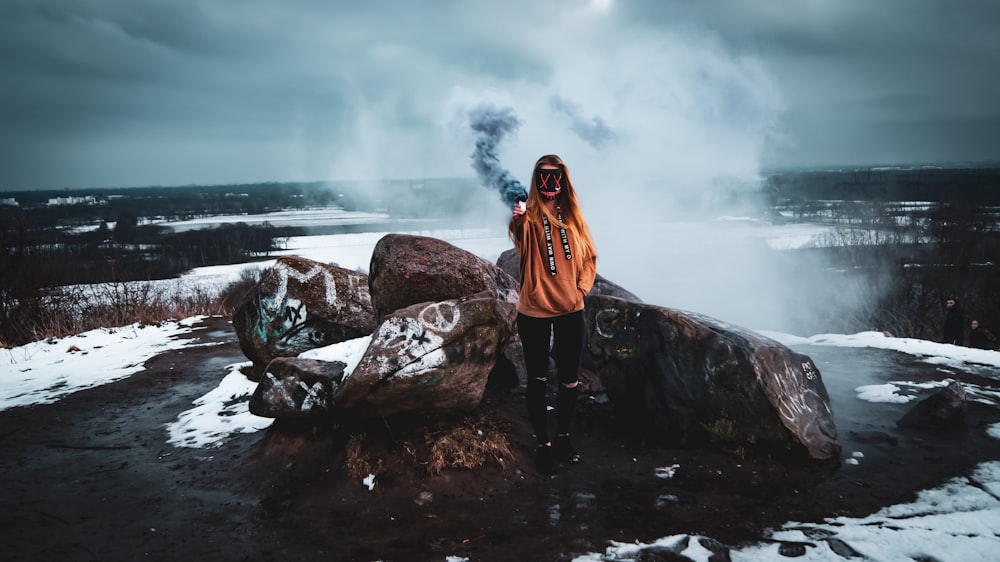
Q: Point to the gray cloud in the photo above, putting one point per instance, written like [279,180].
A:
[114,92]
[845,66]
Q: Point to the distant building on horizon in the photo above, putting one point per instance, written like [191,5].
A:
[85,200]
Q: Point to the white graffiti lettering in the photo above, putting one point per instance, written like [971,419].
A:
[315,397]
[424,365]
[295,315]
[284,272]
[415,342]
[809,370]
[440,316]
[409,337]
[799,406]
[605,317]
[277,393]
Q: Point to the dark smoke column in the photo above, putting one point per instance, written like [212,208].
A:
[491,125]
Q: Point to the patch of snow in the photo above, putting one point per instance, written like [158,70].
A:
[218,414]
[44,371]
[349,352]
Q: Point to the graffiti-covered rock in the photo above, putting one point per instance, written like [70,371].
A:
[292,387]
[430,357]
[688,379]
[300,304]
[407,269]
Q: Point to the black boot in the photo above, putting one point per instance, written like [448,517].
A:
[564,450]
[544,461]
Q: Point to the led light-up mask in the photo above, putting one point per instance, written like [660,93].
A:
[549,183]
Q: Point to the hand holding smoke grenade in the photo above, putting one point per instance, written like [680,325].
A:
[519,208]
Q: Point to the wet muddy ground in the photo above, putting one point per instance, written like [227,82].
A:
[91,477]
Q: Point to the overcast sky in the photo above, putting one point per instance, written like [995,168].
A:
[101,93]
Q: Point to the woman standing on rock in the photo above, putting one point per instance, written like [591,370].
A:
[558,266]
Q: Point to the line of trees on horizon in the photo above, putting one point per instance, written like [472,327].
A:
[895,265]
[937,185]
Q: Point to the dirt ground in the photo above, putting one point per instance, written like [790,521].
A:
[91,477]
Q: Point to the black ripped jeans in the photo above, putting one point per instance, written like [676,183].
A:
[566,333]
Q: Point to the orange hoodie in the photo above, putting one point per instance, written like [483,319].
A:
[542,294]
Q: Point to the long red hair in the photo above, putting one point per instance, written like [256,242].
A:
[572,217]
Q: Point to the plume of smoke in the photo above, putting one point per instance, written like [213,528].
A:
[491,124]
[594,131]
[666,179]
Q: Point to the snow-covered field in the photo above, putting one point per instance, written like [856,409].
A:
[298,218]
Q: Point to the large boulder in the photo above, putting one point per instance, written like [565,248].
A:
[293,387]
[299,305]
[407,269]
[429,358]
[688,379]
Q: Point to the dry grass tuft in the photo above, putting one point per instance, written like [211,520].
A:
[359,464]
[66,311]
[236,292]
[472,444]
[465,444]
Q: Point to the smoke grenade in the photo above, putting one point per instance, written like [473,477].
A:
[491,125]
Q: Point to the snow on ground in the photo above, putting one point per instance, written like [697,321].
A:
[935,353]
[788,236]
[956,521]
[947,357]
[218,414]
[354,251]
[45,371]
[349,352]
[349,251]
[295,217]
[223,411]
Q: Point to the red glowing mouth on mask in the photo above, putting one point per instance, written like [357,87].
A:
[549,183]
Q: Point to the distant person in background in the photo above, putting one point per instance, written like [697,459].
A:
[981,338]
[954,322]
[557,269]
